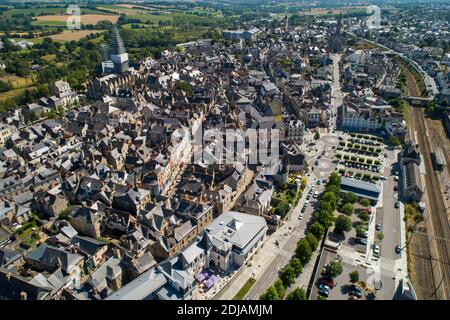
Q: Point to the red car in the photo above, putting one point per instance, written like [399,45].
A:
[329,282]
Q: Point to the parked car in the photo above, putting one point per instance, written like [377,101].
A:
[378,227]
[398,249]
[323,286]
[328,281]
[395,188]
[361,241]
[356,294]
[324,293]
[354,287]
[397,204]
[376,249]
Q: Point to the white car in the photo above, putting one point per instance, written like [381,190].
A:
[376,249]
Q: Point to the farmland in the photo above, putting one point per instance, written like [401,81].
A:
[69,35]
[85,18]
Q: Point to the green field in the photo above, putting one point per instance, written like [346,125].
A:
[245,288]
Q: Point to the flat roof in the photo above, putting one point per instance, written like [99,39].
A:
[141,287]
[360,188]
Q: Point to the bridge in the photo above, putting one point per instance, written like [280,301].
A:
[418,101]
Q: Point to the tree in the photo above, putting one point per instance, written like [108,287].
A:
[380,236]
[270,294]
[354,276]
[394,141]
[331,198]
[317,135]
[325,218]
[343,223]
[287,276]
[364,202]
[297,294]
[350,197]
[5,86]
[296,265]
[326,206]
[333,269]
[334,180]
[333,189]
[317,230]
[282,208]
[303,251]
[363,215]
[278,285]
[361,231]
[33,116]
[185,86]
[312,240]
[347,209]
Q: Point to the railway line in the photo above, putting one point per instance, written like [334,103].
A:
[439,233]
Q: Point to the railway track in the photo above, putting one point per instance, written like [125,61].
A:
[439,234]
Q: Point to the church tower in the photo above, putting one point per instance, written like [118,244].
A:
[286,23]
[118,55]
[336,39]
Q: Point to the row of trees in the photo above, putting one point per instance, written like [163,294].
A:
[306,246]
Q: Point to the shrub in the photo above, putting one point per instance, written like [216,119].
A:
[348,209]
[333,269]
[364,202]
[363,215]
[350,197]
[354,276]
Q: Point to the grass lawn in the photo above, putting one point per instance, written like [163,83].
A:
[49,23]
[49,57]
[245,288]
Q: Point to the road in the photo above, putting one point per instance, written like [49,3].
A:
[287,248]
[336,95]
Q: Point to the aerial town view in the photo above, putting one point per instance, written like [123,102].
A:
[225,150]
